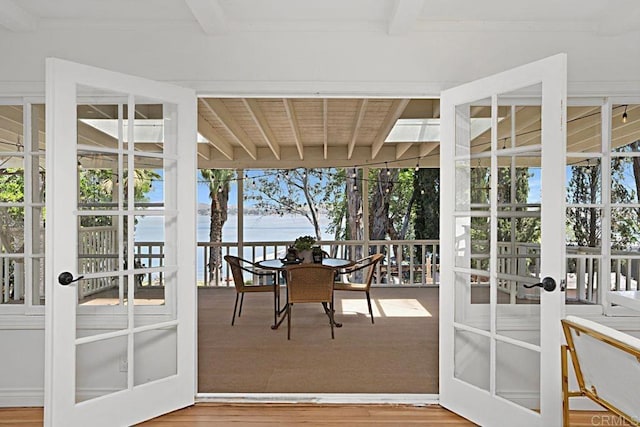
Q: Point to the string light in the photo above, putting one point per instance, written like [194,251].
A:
[354,175]
[624,115]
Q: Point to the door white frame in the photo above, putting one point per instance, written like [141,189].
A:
[474,403]
[141,402]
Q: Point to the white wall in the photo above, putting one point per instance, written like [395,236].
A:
[22,367]
[365,63]
[22,364]
[299,63]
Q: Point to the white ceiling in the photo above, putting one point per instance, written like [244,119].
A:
[263,66]
[394,16]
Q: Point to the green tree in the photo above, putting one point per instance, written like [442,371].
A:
[527,230]
[302,192]
[218,181]
[427,218]
[585,187]
[100,187]
[381,185]
[12,218]
[401,205]
[346,210]
[96,187]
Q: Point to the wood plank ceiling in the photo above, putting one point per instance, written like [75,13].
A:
[284,133]
[288,133]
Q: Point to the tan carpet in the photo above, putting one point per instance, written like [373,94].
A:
[397,354]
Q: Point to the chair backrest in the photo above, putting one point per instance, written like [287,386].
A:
[369,264]
[310,283]
[237,266]
[606,363]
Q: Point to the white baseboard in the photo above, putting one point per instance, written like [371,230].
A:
[321,398]
[21,397]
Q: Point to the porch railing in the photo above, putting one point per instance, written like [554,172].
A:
[405,262]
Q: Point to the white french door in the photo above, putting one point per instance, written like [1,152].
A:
[120,316]
[502,235]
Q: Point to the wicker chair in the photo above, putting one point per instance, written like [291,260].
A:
[310,283]
[238,265]
[369,263]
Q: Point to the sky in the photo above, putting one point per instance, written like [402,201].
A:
[203,188]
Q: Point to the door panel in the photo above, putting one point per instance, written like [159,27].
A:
[503,141]
[120,340]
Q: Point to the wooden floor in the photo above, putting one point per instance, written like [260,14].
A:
[271,415]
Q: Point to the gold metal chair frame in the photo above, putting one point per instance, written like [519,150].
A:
[570,350]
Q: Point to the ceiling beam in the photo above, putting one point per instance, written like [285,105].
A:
[325,126]
[263,126]
[204,152]
[11,120]
[89,135]
[425,149]
[314,158]
[362,108]
[215,139]
[209,15]
[15,18]
[293,122]
[404,16]
[395,111]
[402,148]
[582,122]
[220,111]
[105,112]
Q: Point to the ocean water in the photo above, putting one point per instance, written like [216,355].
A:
[257,228]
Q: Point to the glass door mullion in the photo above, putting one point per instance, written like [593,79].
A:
[120,200]
[493,243]
[130,197]
[28,225]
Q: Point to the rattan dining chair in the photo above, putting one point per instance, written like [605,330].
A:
[238,265]
[310,283]
[368,267]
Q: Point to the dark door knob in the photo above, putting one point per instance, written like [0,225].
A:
[548,284]
[65,278]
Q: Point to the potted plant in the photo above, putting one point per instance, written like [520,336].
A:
[303,245]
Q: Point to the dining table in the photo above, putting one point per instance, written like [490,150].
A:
[281,265]
[278,264]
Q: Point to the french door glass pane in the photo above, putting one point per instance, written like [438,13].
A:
[126,175]
[519,370]
[147,346]
[471,360]
[101,367]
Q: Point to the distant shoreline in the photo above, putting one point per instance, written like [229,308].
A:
[205,210]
